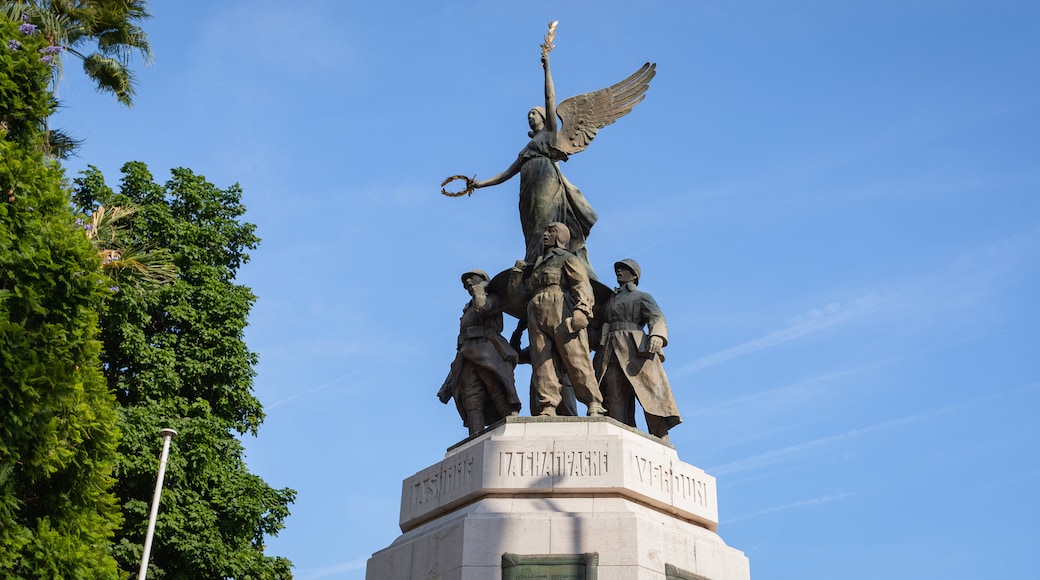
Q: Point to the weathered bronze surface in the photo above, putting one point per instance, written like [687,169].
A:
[481,376]
[559,301]
[632,334]
[550,567]
[673,573]
[546,196]
[553,292]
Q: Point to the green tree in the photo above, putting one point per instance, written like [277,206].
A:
[58,435]
[175,357]
[103,34]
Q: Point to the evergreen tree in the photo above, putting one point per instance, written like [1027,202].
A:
[175,357]
[58,433]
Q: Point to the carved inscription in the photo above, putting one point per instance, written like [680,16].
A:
[552,463]
[661,476]
[452,476]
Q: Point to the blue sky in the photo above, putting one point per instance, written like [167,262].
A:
[836,204]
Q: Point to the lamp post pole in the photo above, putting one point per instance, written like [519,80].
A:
[167,434]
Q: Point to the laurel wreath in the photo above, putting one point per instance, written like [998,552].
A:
[469,186]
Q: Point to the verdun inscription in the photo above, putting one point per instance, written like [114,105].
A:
[661,476]
[530,457]
[656,474]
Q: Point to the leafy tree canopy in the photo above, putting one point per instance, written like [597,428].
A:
[175,357]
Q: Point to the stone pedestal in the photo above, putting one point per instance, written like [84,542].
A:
[537,490]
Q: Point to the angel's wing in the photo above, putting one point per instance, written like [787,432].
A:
[582,116]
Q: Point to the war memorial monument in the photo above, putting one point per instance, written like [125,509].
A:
[555,495]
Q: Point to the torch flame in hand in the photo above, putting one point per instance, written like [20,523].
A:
[549,38]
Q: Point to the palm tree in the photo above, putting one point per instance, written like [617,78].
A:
[76,25]
[146,266]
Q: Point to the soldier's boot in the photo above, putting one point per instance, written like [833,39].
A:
[657,427]
[475,418]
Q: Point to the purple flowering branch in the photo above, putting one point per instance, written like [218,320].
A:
[27,28]
[47,53]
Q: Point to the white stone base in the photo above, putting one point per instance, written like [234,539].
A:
[582,486]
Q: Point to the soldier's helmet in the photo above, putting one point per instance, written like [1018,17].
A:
[479,273]
[631,265]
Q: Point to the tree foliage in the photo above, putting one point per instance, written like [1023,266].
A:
[58,433]
[175,357]
[25,103]
[102,34]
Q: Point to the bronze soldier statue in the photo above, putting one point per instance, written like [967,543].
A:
[628,361]
[481,377]
[559,301]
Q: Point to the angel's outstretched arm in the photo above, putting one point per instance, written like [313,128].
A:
[550,95]
[501,177]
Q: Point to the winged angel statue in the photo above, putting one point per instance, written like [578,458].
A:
[546,196]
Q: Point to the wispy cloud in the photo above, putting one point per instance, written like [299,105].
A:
[1010,251]
[967,277]
[777,456]
[784,391]
[333,382]
[791,506]
[818,382]
[813,321]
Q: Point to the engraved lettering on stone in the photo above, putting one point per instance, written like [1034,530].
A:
[452,476]
[691,489]
[662,477]
[552,463]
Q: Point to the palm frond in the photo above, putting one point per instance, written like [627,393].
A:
[106,222]
[110,76]
[121,41]
[60,144]
[147,266]
[127,264]
[114,25]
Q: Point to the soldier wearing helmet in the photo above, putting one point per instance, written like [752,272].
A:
[628,361]
[481,376]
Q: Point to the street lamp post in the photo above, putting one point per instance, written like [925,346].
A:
[167,434]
